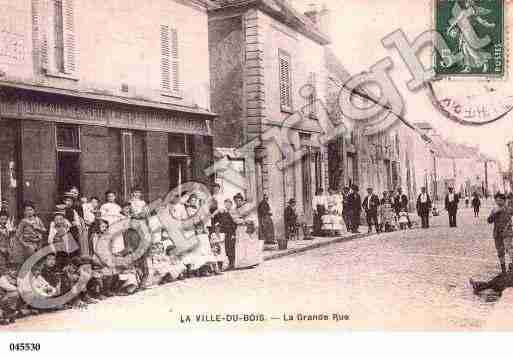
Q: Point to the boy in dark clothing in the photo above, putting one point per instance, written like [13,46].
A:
[476,204]
[228,227]
[502,229]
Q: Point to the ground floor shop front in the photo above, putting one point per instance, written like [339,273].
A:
[50,142]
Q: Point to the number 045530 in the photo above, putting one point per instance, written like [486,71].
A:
[24,347]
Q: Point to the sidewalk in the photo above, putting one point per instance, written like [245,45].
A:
[272,252]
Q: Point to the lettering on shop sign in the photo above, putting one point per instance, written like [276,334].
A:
[100,114]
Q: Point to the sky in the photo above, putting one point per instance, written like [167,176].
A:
[357,27]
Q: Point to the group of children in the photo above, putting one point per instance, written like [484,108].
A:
[101,245]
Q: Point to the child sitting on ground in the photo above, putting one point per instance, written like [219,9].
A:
[6,234]
[60,236]
[49,277]
[10,301]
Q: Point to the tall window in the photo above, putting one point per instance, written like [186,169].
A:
[169,62]
[59,35]
[285,81]
[64,37]
[312,97]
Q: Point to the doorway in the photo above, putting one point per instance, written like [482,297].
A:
[68,171]
[68,157]
[9,163]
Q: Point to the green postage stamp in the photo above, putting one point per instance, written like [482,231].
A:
[474,33]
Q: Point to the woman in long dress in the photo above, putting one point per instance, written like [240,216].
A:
[200,256]
[265,219]
[248,249]
[319,206]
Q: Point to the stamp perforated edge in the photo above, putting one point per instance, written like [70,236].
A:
[464,78]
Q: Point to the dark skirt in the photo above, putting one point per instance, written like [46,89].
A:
[267,229]
[317,220]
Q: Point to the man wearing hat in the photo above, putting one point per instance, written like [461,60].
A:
[290,218]
[451,206]
[370,206]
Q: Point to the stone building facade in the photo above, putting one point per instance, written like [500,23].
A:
[365,154]
[102,95]
[268,73]
[442,164]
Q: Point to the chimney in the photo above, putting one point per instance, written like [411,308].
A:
[321,19]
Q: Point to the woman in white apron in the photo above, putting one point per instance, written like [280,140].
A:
[248,249]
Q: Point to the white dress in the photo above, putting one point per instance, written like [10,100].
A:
[111,212]
[248,248]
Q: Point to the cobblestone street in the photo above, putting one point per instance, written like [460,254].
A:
[411,280]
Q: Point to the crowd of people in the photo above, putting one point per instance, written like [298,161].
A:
[340,210]
[103,241]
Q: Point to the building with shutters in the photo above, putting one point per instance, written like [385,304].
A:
[373,152]
[102,95]
[267,70]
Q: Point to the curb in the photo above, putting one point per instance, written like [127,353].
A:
[293,251]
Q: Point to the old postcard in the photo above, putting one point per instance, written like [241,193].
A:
[255,165]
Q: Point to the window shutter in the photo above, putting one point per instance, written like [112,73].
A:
[165,75]
[42,20]
[285,96]
[170,61]
[68,12]
[175,61]
[312,108]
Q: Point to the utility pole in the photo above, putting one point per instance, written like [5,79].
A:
[486,178]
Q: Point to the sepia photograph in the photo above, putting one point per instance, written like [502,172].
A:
[255,165]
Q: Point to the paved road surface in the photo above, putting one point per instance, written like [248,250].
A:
[416,279]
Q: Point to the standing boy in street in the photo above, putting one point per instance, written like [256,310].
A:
[502,230]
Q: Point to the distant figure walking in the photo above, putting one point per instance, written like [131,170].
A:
[476,204]
[424,207]
[451,206]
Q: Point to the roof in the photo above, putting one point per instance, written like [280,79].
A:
[280,10]
[447,149]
